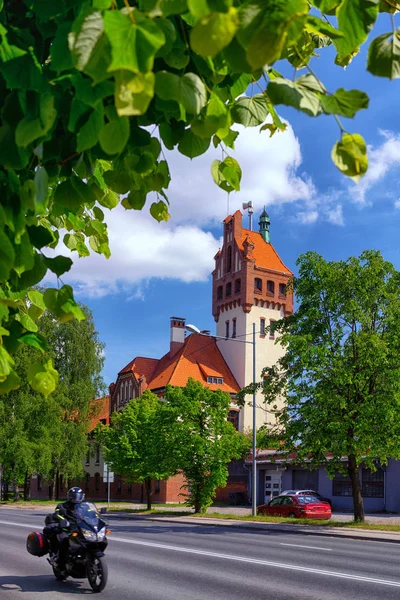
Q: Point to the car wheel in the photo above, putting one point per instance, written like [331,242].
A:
[292,515]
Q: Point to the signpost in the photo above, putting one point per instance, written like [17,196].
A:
[109,477]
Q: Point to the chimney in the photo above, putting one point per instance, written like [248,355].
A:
[177,335]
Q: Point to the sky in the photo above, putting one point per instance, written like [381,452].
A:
[159,270]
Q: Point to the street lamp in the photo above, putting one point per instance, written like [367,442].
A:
[194,329]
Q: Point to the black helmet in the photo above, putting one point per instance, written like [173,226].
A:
[75,495]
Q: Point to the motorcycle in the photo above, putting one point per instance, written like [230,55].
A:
[87,541]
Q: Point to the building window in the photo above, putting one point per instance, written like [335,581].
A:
[262,326]
[238,286]
[233,417]
[157,486]
[118,399]
[228,291]
[129,487]
[219,292]
[216,380]
[282,289]
[87,479]
[233,328]
[272,327]
[119,484]
[97,461]
[258,284]
[227,329]
[39,482]
[97,482]
[130,390]
[87,458]
[229,260]
[373,483]
[341,485]
[270,287]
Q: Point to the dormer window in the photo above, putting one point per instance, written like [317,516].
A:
[270,287]
[258,284]
[215,380]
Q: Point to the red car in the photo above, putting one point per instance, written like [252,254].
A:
[300,506]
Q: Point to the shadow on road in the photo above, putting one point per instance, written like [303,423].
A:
[40,583]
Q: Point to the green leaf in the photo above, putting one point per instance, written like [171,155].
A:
[213,32]
[36,340]
[319,26]
[6,363]
[42,189]
[192,145]
[135,200]
[355,20]
[37,299]
[350,156]
[327,7]
[389,6]
[11,382]
[35,275]
[7,256]
[62,304]
[250,111]
[120,182]
[72,194]
[303,94]
[231,171]
[173,7]
[114,136]
[133,92]
[159,211]
[58,265]
[40,236]
[384,55]
[86,31]
[88,134]
[109,200]
[344,102]
[133,45]
[188,90]
[61,59]
[27,322]
[265,26]
[43,377]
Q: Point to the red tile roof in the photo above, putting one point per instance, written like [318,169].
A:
[264,254]
[99,411]
[141,367]
[198,358]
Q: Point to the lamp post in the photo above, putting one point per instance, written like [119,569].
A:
[194,329]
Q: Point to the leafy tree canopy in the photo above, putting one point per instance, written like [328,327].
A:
[340,375]
[92,91]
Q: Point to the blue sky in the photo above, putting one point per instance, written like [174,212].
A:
[160,270]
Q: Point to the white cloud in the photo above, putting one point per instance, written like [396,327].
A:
[307,217]
[335,215]
[382,160]
[183,248]
[397,203]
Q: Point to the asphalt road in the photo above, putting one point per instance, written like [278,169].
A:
[167,561]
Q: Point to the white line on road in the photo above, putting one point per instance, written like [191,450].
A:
[245,559]
[307,547]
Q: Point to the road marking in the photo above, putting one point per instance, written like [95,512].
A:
[307,547]
[244,559]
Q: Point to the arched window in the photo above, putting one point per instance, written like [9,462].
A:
[233,417]
[130,390]
[258,284]
[97,482]
[282,289]
[87,479]
[271,287]
[229,260]
[238,286]
[219,292]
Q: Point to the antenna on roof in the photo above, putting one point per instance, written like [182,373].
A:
[249,207]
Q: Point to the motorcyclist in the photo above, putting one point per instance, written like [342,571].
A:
[58,524]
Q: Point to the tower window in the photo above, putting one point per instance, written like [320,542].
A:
[270,287]
[219,292]
[238,286]
[233,417]
[229,260]
[233,328]
[228,291]
[258,284]
[227,329]
[262,326]
[272,325]
[282,289]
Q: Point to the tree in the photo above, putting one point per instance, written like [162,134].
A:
[202,439]
[49,436]
[137,443]
[83,82]
[340,374]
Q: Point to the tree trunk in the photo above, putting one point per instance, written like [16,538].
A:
[57,484]
[52,488]
[5,490]
[149,491]
[16,490]
[358,502]
[27,487]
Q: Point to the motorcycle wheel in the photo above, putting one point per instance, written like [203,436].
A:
[58,574]
[97,573]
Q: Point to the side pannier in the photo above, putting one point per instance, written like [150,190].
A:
[36,544]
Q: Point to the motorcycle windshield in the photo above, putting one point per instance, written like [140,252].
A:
[87,512]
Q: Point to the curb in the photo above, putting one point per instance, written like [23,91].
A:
[360,534]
